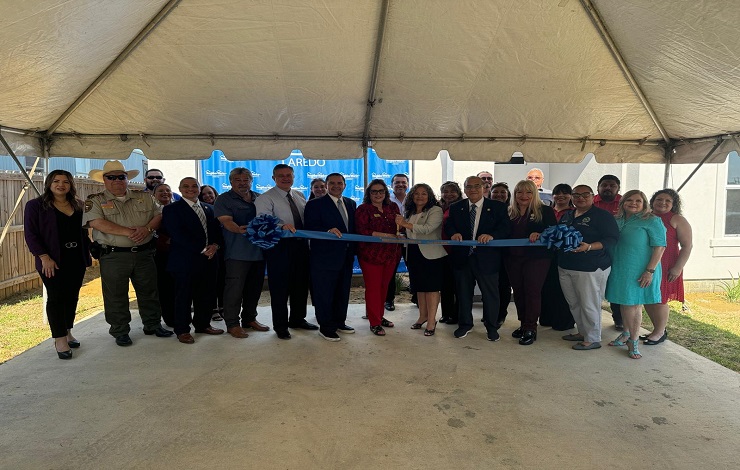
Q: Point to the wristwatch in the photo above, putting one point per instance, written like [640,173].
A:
[651,271]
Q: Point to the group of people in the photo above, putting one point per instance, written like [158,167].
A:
[190,262]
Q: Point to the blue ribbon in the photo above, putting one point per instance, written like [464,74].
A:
[264,232]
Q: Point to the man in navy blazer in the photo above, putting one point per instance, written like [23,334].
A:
[331,261]
[479,264]
[195,236]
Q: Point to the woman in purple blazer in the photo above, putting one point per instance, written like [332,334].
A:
[53,229]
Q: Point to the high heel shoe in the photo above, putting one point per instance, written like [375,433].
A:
[63,354]
[417,326]
[429,332]
[74,344]
[632,350]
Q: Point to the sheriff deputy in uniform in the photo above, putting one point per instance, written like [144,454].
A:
[123,222]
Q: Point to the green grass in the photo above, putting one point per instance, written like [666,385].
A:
[732,288]
[22,320]
[696,332]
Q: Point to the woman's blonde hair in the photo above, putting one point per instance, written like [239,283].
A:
[535,204]
[645,213]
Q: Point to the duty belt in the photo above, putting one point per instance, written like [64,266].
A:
[128,249]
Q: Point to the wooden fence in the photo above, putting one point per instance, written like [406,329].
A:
[17,268]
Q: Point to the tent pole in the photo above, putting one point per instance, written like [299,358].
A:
[604,33]
[716,146]
[376,70]
[667,171]
[18,162]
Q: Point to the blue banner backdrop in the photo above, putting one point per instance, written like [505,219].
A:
[215,172]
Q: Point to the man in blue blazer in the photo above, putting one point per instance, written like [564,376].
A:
[488,220]
[331,261]
[195,236]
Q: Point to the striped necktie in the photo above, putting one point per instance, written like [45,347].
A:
[202,216]
[473,210]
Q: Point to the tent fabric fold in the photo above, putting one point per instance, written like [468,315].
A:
[258,78]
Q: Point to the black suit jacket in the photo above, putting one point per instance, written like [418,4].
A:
[321,215]
[494,221]
[187,238]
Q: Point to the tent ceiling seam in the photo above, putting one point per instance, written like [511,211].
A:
[153,23]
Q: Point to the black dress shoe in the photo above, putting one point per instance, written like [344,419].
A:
[528,338]
[124,340]
[160,332]
[74,344]
[303,326]
[518,333]
[443,320]
[389,306]
[64,354]
[493,335]
[282,334]
[452,321]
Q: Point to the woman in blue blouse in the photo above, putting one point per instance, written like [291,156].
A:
[636,264]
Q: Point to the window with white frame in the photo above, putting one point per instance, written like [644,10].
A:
[732,212]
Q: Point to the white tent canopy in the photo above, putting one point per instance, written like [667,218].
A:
[630,81]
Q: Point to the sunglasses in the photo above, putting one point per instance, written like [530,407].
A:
[115,177]
[154,177]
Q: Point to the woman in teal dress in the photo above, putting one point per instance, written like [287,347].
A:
[635,277]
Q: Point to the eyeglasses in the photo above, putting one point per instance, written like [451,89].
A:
[581,195]
[473,186]
[377,191]
[115,177]
[155,177]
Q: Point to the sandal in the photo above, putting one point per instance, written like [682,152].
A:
[632,351]
[428,332]
[417,326]
[621,340]
[387,323]
[377,330]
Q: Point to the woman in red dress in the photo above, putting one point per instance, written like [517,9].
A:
[376,216]
[666,204]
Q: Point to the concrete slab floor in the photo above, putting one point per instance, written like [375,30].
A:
[402,401]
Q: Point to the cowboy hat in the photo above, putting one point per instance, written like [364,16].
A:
[109,167]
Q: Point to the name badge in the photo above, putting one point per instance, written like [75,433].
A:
[107,205]
[377,215]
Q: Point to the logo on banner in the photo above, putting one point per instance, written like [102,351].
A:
[215,173]
[263,188]
[380,175]
[223,158]
[315,175]
[359,188]
[305,162]
[397,162]
[350,176]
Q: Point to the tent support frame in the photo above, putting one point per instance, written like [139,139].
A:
[593,14]
[708,155]
[161,15]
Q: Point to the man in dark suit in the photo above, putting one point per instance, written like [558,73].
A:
[331,261]
[480,219]
[195,236]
